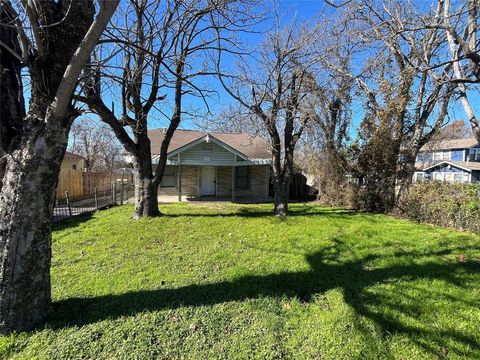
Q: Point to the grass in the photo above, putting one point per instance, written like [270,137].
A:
[233,282]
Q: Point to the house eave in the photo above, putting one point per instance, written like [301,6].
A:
[447,163]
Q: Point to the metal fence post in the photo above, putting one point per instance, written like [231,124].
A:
[122,191]
[115,192]
[96,198]
[68,204]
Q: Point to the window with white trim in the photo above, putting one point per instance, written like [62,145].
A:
[438,155]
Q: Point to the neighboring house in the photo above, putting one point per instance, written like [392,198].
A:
[72,161]
[233,165]
[70,177]
[456,160]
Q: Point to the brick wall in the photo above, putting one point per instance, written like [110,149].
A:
[189,183]
[258,182]
[259,178]
[224,181]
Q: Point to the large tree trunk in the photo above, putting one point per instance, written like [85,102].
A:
[35,154]
[281,182]
[26,206]
[146,190]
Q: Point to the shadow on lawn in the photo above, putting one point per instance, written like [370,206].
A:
[355,278]
[248,212]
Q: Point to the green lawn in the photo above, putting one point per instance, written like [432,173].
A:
[231,281]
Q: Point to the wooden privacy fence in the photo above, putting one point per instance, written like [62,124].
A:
[79,183]
[99,180]
[70,180]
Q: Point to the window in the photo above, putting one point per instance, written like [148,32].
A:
[474,155]
[457,155]
[420,176]
[459,178]
[437,155]
[242,178]
[74,166]
[449,177]
[169,179]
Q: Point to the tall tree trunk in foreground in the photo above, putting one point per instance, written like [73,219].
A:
[36,150]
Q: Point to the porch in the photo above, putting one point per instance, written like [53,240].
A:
[248,183]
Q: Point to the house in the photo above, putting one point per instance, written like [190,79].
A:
[456,160]
[72,161]
[70,177]
[213,164]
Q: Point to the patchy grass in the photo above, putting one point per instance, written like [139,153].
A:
[231,281]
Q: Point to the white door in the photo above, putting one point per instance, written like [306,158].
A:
[207,180]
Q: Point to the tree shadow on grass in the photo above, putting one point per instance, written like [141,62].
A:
[359,283]
[249,212]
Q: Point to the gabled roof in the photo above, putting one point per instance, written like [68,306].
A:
[464,143]
[208,138]
[70,155]
[252,147]
[464,165]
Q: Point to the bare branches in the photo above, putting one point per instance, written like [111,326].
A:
[78,60]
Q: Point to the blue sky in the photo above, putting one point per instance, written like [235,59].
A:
[289,10]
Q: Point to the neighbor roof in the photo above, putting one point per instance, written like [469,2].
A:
[254,147]
[70,155]
[450,144]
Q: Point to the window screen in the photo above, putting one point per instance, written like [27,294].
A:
[242,178]
[169,178]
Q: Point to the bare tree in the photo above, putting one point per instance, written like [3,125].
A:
[458,129]
[402,99]
[460,24]
[55,40]
[98,146]
[166,45]
[275,88]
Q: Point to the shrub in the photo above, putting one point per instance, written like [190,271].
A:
[444,204]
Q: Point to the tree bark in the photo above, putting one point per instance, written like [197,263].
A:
[280,198]
[26,207]
[281,181]
[35,153]
[146,189]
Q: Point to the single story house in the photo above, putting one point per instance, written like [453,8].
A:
[455,160]
[213,164]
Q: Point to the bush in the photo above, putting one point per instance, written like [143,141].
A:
[444,204]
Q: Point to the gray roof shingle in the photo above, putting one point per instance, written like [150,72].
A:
[254,147]
[450,144]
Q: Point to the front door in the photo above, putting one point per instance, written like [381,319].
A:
[207,180]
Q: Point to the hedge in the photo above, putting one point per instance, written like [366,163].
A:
[455,205]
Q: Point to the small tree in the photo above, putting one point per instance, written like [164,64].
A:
[275,89]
